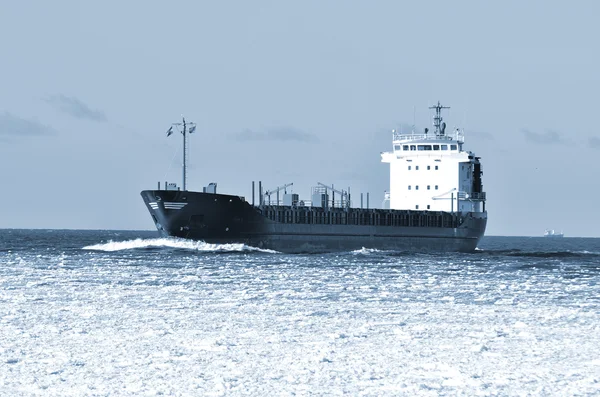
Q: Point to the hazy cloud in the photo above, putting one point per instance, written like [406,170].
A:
[353,176]
[76,108]
[480,134]
[14,126]
[406,128]
[548,137]
[594,142]
[278,134]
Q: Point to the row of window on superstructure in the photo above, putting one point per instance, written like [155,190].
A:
[417,187]
[426,147]
[417,167]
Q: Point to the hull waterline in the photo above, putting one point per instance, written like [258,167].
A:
[220,219]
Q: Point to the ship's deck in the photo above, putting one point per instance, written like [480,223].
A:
[359,216]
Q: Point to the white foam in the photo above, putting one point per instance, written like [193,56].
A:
[365,251]
[585,252]
[172,243]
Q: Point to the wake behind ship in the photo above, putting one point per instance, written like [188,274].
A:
[435,202]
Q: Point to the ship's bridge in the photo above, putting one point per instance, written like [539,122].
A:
[425,145]
[431,171]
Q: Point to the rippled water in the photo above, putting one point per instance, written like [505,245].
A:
[124,313]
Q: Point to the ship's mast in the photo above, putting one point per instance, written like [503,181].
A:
[437,120]
[184,131]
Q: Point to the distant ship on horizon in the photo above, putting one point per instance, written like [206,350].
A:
[552,233]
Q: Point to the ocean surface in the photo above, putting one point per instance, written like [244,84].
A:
[112,313]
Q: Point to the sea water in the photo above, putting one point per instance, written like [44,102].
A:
[110,313]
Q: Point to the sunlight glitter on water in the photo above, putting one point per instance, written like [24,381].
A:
[184,320]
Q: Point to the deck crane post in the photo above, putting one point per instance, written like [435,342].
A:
[276,190]
[345,195]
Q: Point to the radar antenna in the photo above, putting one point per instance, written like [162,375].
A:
[186,128]
[437,120]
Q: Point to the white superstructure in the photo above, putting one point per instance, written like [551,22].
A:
[552,233]
[432,172]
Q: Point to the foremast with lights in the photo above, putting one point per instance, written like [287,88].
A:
[185,128]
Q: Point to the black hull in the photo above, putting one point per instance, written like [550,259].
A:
[220,218]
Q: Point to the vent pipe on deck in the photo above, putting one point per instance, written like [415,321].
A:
[367,200]
[253,193]
[332,197]
[348,203]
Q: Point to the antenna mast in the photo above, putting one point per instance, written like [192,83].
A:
[184,131]
[437,120]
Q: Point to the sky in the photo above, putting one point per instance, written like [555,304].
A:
[293,92]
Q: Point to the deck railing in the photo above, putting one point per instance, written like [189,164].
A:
[457,135]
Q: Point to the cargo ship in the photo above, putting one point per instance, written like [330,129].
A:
[435,202]
[552,234]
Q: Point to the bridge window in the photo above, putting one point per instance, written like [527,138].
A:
[396,147]
[424,147]
[428,187]
[416,187]
[428,168]
[436,147]
[416,168]
[405,147]
[436,187]
[409,167]
[413,147]
[436,167]
[452,147]
[444,147]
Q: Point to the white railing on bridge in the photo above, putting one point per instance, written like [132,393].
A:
[457,135]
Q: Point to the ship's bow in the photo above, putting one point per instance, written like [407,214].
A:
[211,217]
